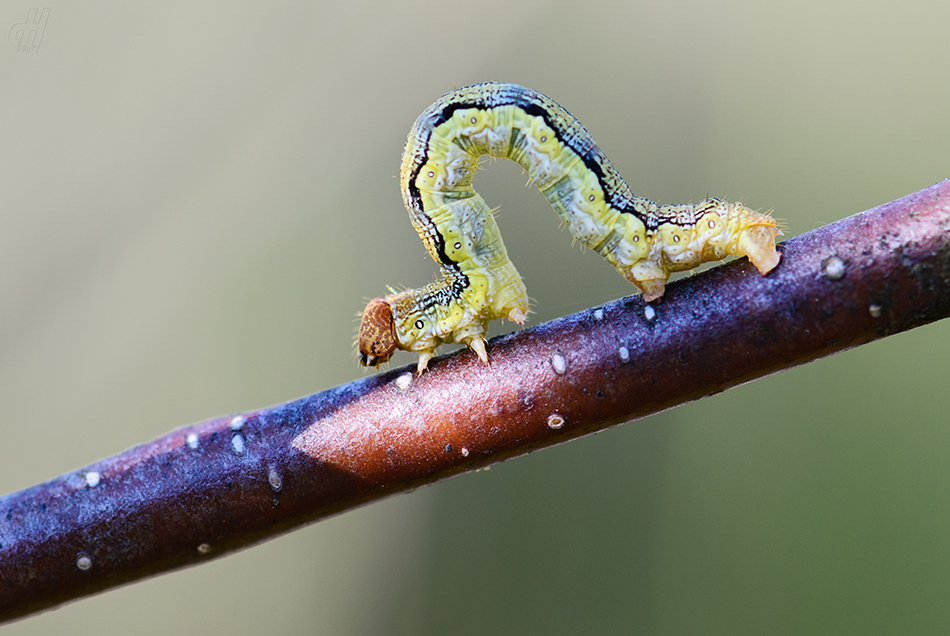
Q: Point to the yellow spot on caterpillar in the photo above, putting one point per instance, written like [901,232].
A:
[645,242]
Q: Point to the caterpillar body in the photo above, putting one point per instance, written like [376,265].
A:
[644,241]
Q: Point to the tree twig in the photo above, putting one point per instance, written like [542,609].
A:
[206,490]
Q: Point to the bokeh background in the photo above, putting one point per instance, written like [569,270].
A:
[197,199]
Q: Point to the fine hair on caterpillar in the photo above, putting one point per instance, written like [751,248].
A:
[644,241]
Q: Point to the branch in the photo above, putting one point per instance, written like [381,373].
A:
[206,490]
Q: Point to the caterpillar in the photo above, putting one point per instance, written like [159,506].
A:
[644,241]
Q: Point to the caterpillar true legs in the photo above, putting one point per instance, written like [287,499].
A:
[644,241]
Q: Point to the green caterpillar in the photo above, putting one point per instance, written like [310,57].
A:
[644,241]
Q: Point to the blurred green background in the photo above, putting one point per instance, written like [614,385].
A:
[197,199]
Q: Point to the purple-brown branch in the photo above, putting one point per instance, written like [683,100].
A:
[206,490]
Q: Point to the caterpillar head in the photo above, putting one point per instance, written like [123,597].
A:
[377,339]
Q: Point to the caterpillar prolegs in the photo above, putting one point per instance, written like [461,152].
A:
[644,241]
